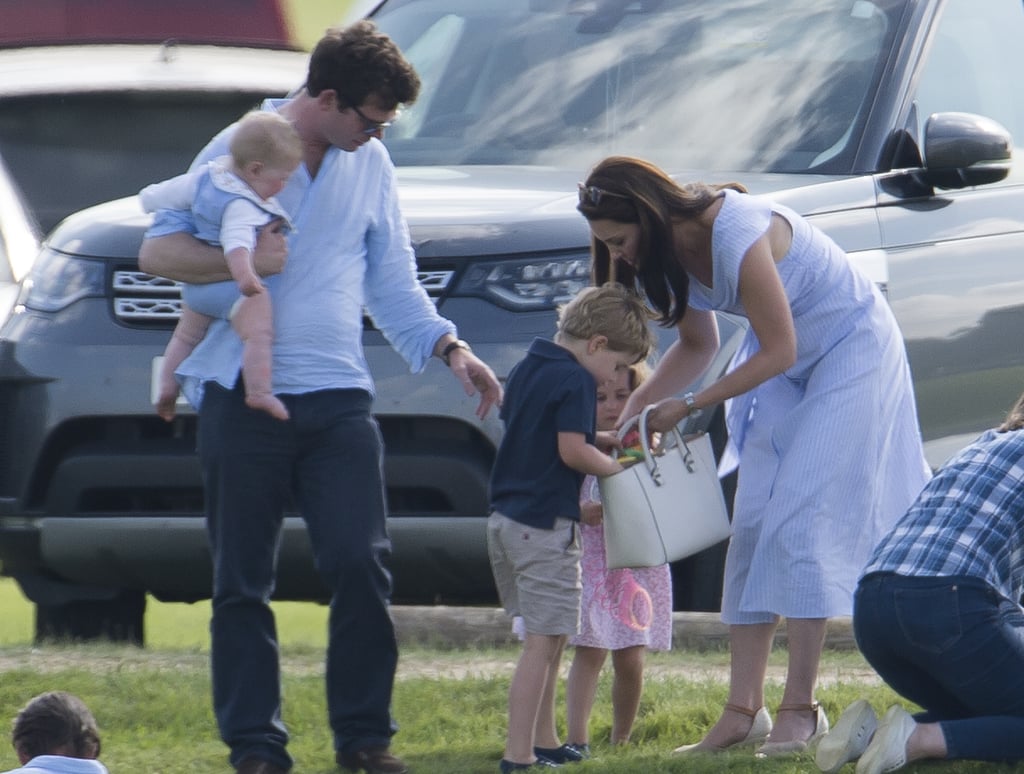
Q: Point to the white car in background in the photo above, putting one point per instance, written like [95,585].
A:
[84,123]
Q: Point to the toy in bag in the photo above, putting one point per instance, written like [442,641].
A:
[632,450]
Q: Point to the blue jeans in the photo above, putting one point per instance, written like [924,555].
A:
[955,647]
[328,460]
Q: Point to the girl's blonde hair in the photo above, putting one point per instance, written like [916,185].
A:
[638,374]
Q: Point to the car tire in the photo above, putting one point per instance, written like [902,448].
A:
[120,619]
[697,580]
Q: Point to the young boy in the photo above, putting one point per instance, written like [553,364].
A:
[55,733]
[231,198]
[549,413]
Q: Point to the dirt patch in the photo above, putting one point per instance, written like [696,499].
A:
[674,665]
[459,643]
[417,662]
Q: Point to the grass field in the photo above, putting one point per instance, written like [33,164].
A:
[153,705]
[171,626]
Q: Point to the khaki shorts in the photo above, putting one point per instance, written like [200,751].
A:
[537,572]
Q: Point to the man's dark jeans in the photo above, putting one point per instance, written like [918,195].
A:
[955,647]
[326,460]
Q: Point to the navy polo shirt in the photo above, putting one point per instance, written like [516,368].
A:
[547,392]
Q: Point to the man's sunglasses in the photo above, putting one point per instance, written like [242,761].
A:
[369,125]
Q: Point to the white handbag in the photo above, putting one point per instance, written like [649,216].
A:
[665,507]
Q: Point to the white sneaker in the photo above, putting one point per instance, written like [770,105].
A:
[848,740]
[888,748]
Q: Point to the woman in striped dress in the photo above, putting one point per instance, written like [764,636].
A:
[819,408]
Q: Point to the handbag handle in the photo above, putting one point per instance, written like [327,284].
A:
[650,456]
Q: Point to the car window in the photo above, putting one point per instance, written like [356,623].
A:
[975,62]
[102,146]
[750,85]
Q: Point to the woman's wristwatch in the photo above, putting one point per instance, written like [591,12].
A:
[691,406]
[451,347]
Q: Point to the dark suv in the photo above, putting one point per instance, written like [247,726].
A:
[888,123]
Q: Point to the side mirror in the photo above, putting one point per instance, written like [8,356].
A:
[963,150]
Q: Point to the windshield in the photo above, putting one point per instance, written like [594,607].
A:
[717,84]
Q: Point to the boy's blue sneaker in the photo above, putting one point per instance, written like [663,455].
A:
[583,750]
[567,753]
[541,763]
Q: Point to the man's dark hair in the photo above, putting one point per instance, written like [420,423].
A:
[359,61]
[56,723]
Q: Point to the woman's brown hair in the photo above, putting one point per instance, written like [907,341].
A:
[631,190]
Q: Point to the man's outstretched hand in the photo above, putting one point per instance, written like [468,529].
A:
[476,377]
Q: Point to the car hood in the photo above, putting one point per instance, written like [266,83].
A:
[475,210]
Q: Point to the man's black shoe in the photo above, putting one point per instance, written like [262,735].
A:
[257,766]
[372,760]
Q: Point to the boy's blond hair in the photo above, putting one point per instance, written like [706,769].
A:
[612,311]
[266,137]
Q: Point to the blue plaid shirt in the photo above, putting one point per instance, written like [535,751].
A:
[968,520]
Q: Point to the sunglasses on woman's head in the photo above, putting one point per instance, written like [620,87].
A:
[592,195]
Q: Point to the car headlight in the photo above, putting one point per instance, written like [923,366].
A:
[527,284]
[58,280]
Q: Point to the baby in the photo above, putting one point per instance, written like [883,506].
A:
[231,198]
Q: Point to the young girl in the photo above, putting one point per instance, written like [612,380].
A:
[623,611]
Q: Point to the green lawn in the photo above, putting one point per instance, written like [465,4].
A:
[173,626]
[153,705]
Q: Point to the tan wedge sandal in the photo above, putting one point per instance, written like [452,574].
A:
[760,727]
[771,749]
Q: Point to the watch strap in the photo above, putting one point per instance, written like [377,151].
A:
[450,347]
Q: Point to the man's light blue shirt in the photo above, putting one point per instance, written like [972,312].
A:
[350,251]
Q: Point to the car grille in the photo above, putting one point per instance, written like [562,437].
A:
[142,299]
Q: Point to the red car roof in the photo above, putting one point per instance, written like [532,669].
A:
[231,22]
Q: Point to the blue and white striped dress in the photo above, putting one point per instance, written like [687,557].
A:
[829,451]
